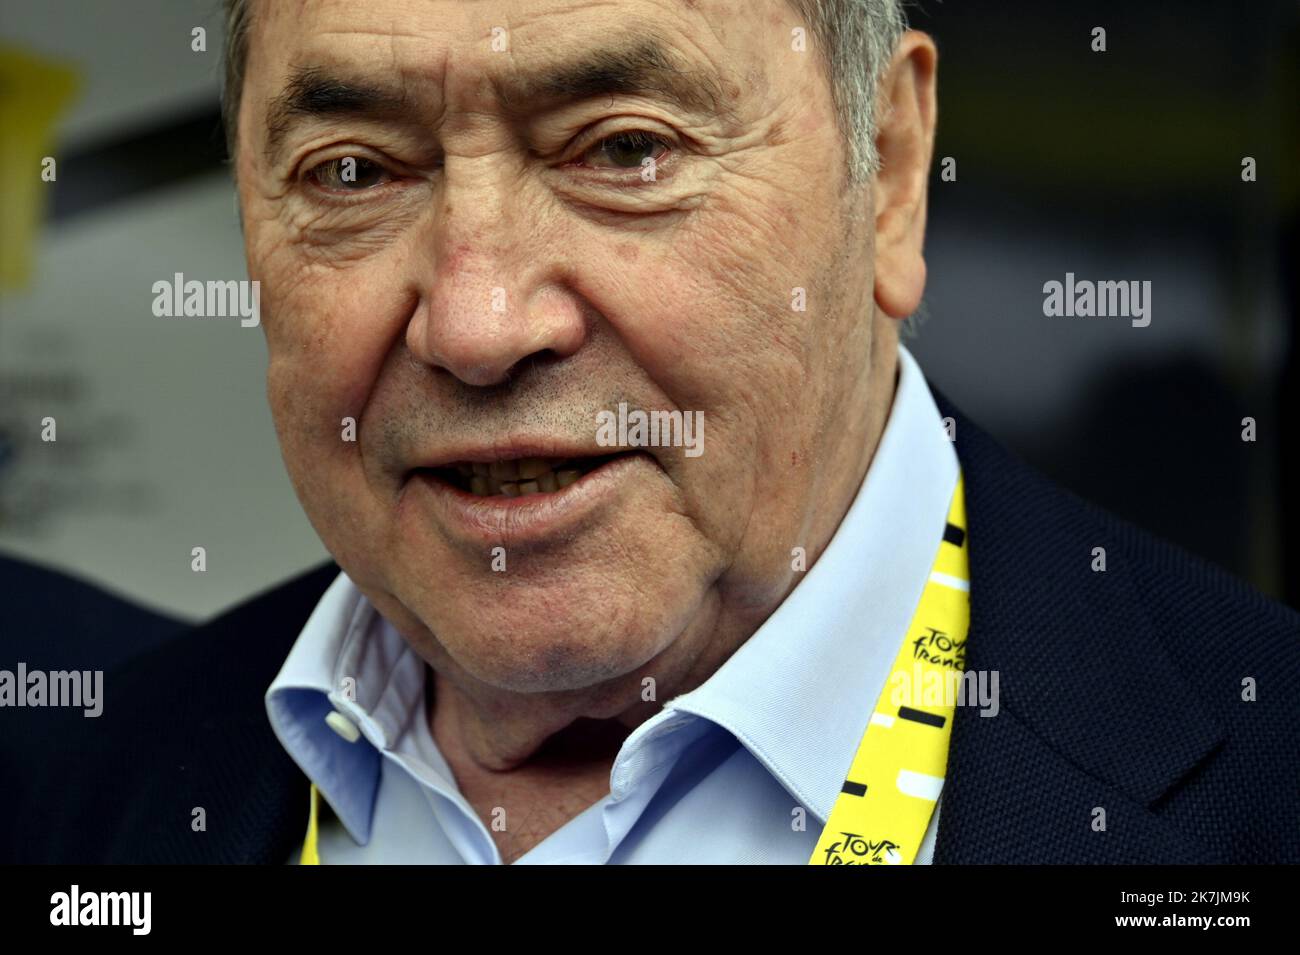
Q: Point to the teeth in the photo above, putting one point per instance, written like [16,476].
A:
[533,467]
[505,470]
[517,477]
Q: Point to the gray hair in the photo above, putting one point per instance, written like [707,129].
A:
[856,39]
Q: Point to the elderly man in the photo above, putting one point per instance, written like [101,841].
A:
[485,232]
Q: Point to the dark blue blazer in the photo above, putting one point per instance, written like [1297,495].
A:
[1120,690]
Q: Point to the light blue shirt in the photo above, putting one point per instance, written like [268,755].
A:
[722,774]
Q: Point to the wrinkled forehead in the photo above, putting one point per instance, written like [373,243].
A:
[715,28]
[707,58]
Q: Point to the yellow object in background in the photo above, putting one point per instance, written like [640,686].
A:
[33,93]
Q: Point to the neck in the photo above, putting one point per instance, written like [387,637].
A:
[486,730]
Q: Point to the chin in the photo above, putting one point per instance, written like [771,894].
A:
[530,638]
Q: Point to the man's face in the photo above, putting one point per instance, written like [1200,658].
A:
[500,268]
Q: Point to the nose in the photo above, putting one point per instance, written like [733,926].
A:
[490,305]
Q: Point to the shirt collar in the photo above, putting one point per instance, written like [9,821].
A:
[350,660]
[799,692]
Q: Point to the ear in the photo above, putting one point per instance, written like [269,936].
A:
[905,113]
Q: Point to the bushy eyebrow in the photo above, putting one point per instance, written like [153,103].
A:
[314,93]
[637,65]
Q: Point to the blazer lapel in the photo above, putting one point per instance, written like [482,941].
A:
[1094,724]
[215,749]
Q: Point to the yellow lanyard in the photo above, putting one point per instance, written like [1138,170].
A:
[310,853]
[889,794]
[884,807]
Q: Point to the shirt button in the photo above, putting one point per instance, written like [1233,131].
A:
[343,726]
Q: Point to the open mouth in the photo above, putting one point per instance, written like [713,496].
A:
[516,477]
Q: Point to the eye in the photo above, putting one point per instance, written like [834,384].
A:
[628,150]
[348,174]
